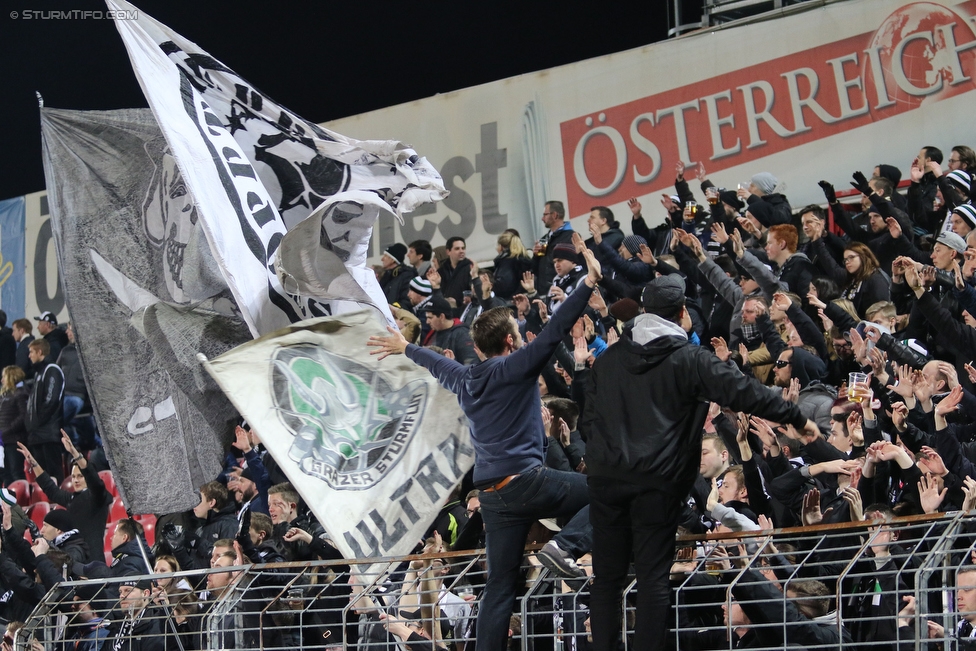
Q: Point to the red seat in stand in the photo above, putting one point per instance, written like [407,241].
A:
[20,489]
[109,482]
[38,511]
[37,495]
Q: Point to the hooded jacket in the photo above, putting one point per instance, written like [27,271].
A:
[647,402]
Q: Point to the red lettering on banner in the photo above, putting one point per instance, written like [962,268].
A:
[921,53]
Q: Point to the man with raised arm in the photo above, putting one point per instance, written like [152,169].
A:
[500,399]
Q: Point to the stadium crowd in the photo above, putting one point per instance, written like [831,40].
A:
[856,323]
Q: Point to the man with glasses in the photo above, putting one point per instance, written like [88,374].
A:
[560,232]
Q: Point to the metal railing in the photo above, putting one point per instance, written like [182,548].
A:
[816,586]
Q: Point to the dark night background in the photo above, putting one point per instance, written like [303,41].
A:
[323,60]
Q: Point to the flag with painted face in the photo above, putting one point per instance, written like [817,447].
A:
[145,296]
[255,170]
[374,446]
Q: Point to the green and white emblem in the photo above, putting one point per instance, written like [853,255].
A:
[350,426]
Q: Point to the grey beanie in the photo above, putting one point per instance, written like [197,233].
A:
[765,181]
[633,243]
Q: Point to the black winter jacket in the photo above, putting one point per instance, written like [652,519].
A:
[13,415]
[396,282]
[647,402]
[44,406]
[88,508]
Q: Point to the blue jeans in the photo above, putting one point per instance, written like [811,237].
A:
[508,515]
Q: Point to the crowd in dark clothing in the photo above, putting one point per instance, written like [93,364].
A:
[780,308]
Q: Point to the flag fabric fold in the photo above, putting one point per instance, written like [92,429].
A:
[256,170]
[375,447]
[144,297]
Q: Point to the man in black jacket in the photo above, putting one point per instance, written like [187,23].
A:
[44,410]
[641,463]
[47,325]
[456,272]
[22,329]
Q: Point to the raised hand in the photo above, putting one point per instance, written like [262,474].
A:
[667,202]
[612,337]
[828,191]
[853,498]
[635,207]
[543,310]
[949,404]
[932,462]
[792,392]
[721,348]
[646,256]
[899,414]
[597,302]
[679,171]
[948,370]
[528,282]
[394,344]
[929,494]
[894,228]
[719,234]
[815,301]
[810,514]
[700,172]
[860,183]
[434,277]
[738,248]
[580,352]
[968,489]
[521,302]
[904,386]
[854,427]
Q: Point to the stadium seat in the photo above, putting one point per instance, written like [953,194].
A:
[37,495]
[21,492]
[109,480]
[149,528]
[118,511]
[68,485]
[38,511]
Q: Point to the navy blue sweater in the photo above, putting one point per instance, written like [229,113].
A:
[500,396]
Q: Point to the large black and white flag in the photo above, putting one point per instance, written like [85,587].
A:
[144,295]
[256,170]
[375,447]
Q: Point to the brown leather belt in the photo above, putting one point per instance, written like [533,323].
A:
[500,485]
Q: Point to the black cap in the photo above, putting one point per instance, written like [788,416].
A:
[47,316]
[438,306]
[664,296]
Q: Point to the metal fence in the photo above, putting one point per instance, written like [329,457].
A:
[819,587]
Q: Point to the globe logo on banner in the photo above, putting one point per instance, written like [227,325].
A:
[923,49]
[350,426]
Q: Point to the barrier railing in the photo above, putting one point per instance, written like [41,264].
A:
[820,587]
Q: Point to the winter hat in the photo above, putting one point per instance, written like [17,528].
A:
[953,241]
[421,286]
[564,251]
[396,251]
[968,212]
[762,211]
[141,584]
[247,474]
[633,243]
[625,309]
[731,198]
[891,173]
[765,181]
[806,367]
[664,296]
[961,179]
[59,519]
